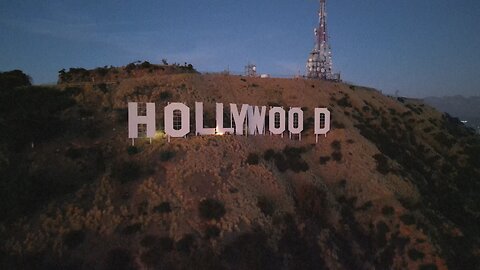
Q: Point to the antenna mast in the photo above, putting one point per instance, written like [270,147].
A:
[319,64]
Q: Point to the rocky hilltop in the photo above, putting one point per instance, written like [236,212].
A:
[394,185]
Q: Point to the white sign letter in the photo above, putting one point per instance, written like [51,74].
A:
[256,120]
[200,130]
[239,118]
[134,119]
[220,128]
[291,115]
[171,123]
[322,121]
[281,120]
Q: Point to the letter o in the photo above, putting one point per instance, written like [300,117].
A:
[291,113]
[273,111]
[168,120]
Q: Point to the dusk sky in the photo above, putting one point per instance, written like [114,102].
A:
[418,47]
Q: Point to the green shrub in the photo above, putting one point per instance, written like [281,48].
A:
[280,162]
[337,156]
[146,65]
[266,205]
[324,160]
[102,87]
[400,242]
[189,67]
[121,115]
[252,159]
[102,71]
[212,231]
[367,205]
[163,208]
[382,164]
[293,152]
[309,123]
[149,241]
[72,91]
[293,160]
[13,79]
[251,251]
[269,154]
[336,124]
[274,104]
[74,238]
[415,254]
[35,116]
[388,211]
[131,229]
[298,165]
[159,248]
[132,150]
[311,202]
[444,139]
[126,171]
[130,67]
[44,185]
[185,244]
[336,145]
[165,95]
[164,244]
[74,153]
[429,266]
[392,111]
[166,155]
[119,258]
[344,102]
[427,129]
[407,219]
[211,209]
[381,234]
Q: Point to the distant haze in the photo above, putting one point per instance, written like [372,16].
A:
[418,48]
[466,109]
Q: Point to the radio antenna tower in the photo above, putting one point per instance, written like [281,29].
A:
[319,64]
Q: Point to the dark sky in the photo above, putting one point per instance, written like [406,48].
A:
[418,47]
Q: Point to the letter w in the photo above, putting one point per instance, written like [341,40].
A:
[256,119]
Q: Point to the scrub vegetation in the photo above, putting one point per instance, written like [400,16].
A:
[393,185]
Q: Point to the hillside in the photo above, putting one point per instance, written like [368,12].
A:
[394,185]
[465,108]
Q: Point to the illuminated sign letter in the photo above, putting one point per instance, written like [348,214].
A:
[171,120]
[134,120]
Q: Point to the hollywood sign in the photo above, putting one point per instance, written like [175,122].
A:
[249,120]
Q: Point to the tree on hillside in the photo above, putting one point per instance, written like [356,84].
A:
[13,79]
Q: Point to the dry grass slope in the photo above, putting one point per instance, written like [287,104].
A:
[390,187]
